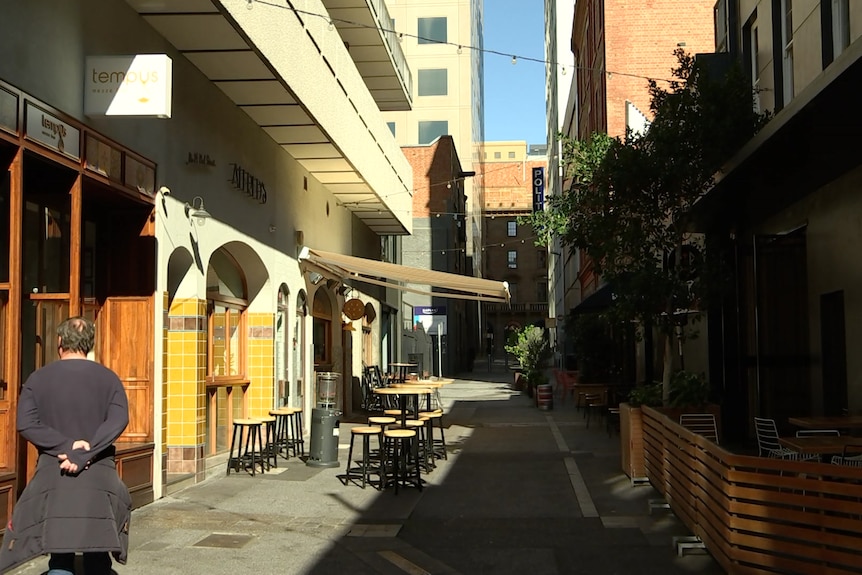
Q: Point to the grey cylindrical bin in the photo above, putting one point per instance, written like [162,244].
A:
[323,451]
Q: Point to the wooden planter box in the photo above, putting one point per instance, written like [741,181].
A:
[632,442]
[632,437]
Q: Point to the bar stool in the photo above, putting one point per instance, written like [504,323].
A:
[392,412]
[381,420]
[397,451]
[365,468]
[249,457]
[282,417]
[269,446]
[421,445]
[297,443]
[438,448]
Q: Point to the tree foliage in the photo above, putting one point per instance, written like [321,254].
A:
[628,197]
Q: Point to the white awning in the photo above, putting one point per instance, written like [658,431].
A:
[338,266]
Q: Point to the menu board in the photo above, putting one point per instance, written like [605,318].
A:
[103,158]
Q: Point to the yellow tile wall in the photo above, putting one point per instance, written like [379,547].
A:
[185,368]
[260,363]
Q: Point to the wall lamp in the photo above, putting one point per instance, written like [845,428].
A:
[197,211]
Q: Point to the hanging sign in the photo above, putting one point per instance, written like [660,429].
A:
[538,189]
[135,85]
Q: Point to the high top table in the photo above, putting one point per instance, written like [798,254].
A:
[847,422]
[403,392]
[401,370]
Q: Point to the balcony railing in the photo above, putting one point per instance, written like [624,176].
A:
[756,514]
[385,23]
[538,307]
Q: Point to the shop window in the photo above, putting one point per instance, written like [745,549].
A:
[321,333]
[512,228]
[226,304]
[432,82]
[4,227]
[4,302]
[432,30]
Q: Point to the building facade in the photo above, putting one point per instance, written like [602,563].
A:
[512,180]
[439,338]
[178,229]
[786,208]
[442,42]
[617,48]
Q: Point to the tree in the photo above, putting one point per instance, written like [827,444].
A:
[629,197]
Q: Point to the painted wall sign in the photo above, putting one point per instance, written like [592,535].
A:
[134,85]
[199,159]
[538,189]
[245,182]
[8,111]
[52,132]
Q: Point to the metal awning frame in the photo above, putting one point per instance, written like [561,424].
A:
[338,266]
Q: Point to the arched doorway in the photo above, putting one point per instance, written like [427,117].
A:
[282,330]
[299,356]
[226,381]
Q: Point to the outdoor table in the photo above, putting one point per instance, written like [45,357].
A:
[827,444]
[403,393]
[828,422]
[402,369]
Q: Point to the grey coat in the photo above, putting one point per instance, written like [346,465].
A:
[60,513]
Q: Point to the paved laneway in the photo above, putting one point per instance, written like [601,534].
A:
[524,491]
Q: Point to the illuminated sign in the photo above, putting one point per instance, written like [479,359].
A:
[137,85]
[538,189]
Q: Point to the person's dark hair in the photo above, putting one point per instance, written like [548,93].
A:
[77,334]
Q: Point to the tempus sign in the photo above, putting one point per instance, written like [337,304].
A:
[135,85]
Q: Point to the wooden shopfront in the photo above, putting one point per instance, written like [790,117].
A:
[76,238]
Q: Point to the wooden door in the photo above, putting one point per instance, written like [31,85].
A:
[125,333]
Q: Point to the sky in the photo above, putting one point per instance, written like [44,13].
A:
[514,94]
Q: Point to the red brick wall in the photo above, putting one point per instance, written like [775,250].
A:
[435,172]
[639,37]
[508,185]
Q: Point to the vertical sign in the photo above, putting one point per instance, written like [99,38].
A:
[538,189]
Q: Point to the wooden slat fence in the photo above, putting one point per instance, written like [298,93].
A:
[755,514]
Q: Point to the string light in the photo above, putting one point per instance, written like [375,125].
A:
[331,26]
[459,47]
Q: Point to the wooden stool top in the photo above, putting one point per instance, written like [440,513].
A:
[366,430]
[392,412]
[265,419]
[284,410]
[413,423]
[384,420]
[399,433]
[247,422]
[430,414]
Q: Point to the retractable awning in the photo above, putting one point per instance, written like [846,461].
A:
[339,266]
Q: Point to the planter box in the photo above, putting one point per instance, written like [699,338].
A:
[632,437]
[632,442]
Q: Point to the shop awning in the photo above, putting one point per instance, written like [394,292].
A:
[338,266]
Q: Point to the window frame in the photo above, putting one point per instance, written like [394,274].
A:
[512,228]
[428,36]
[431,79]
[512,259]
[427,123]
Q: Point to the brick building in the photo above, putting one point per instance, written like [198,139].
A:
[434,329]
[510,251]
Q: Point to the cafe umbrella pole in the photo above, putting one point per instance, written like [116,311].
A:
[323,451]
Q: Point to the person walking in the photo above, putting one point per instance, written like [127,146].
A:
[72,410]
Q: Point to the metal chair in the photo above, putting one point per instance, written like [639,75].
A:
[769,446]
[701,424]
[849,460]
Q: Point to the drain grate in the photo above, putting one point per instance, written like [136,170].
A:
[224,540]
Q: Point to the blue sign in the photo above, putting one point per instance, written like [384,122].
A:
[538,189]
[436,310]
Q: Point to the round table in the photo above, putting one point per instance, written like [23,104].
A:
[403,393]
